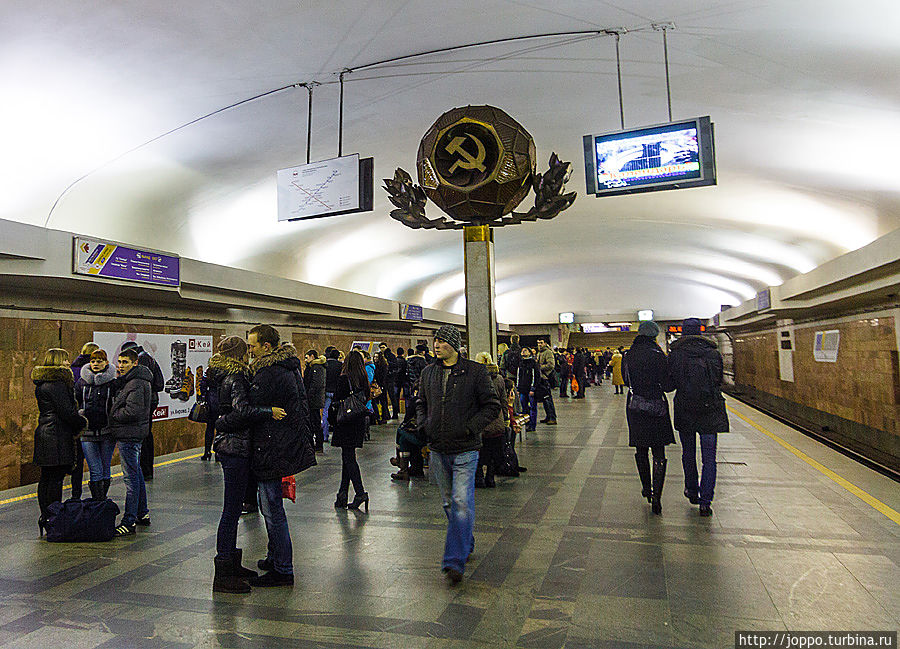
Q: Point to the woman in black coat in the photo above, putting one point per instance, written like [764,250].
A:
[349,436]
[645,371]
[58,424]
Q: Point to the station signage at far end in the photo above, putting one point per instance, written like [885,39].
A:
[112,261]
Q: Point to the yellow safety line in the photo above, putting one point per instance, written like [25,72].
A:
[114,475]
[846,484]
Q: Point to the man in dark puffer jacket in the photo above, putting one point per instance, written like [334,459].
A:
[280,448]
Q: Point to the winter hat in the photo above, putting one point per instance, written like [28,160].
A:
[99,354]
[691,327]
[232,346]
[648,328]
[450,335]
[421,347]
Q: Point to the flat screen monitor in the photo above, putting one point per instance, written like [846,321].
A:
[676,155]
[326,188]
[566,318]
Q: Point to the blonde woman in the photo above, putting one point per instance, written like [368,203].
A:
[58,423]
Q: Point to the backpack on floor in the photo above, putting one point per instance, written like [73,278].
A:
[75,521]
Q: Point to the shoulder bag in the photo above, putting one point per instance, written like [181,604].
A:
[652,407]
[351,409]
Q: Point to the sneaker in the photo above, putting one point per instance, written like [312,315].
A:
[125,530]
[144,520]
[452,576]
[272,578]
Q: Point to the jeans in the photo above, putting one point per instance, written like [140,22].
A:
[98,452]
[236,471]
[135,490]
[328,397]
[280,551]
[529,407]
[350,471]
[689,462]
[455,477]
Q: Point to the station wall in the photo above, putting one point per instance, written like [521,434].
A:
[23,341]
[854,401]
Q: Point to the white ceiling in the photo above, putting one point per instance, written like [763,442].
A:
[804,95]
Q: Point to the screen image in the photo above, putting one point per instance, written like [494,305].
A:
[642,157]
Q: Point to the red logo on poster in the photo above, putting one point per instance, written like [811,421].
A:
[161,412]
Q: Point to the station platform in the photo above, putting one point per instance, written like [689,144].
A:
[567,555]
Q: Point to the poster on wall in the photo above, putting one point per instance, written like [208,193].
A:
[826,345]
[366,345]
[182,358]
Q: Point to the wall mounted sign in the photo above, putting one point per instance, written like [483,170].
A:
[411,312]
[763,300]
[826,345]
[104,259]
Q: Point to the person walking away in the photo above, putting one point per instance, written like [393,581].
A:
[280,448]
[547,364]
[93,393]
[78,467]
[456,402]
[349,435]
[416,363]
[229,376]
[695,373]
[58,423]
[129,424]
[528,377]
[617,379]
[402,386]
[491,454]
[157,385]
[392,381]
[332,371]
[314,383]
[645,371]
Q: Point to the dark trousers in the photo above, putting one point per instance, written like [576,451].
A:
[252,491]
[707,484]
[582,384]
[147,454]
[382,410]
[564,386]
[49,488]
[393,392]
[545,396]
[207,437]
[490,456]
[78,472]
[315,423]
[236,471]
[350,471]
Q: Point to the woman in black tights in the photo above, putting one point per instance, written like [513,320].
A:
[349,436]
[58,423]
[644,370]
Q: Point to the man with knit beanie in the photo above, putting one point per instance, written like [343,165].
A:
[456,402]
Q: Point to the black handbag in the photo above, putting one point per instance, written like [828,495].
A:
[351,409]
[198,412]
[653,407]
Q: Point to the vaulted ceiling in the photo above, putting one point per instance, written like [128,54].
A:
[805,96]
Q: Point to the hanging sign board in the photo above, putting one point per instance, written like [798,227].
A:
[326,188]
[182,358]
[104,259]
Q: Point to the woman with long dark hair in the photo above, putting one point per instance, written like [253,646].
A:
[349,435]
[58,423]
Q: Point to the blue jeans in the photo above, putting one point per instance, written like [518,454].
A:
[689,462]
[236,471]
[328,397]
[135,491]
[280,551]
[529,407]
[98,452]
[455,476]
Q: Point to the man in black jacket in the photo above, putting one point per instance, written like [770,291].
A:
[157,384]
[281,446]
[695,373]
[333,367]
[456,402]
[314,382]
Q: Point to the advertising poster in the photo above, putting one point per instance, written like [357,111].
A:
[182,359]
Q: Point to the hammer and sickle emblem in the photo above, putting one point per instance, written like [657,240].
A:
[467,160]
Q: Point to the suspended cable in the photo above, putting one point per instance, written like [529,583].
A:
[618,35]
[341,115]
[664,28]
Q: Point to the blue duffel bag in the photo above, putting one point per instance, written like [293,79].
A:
[75,521]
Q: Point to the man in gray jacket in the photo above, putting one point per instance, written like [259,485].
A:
[547,363]
[456,402]
[129,423]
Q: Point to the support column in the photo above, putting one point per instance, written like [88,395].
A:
[481,317]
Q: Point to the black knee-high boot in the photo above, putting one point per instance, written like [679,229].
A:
[659,478]
[643,467]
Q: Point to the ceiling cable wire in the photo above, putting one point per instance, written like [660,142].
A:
[308,85]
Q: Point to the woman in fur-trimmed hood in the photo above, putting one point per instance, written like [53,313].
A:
[58,424]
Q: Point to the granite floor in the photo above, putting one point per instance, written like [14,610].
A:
[567,555]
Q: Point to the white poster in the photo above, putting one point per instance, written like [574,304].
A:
[826,346]
[182,359]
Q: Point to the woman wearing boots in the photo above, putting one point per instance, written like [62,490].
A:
[228,374]
[58,423]
[93,392]
[349,436]
[647,410]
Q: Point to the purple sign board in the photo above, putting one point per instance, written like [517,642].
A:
[411,312]
[102,259]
